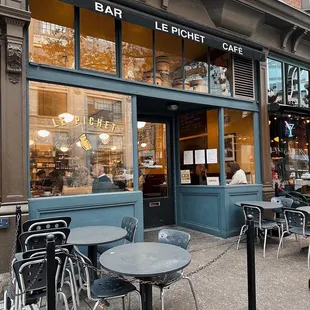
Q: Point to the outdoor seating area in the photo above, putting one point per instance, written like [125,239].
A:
[124,269]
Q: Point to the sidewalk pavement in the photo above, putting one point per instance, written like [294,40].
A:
[281,284]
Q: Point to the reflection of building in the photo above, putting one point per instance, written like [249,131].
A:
[212,77]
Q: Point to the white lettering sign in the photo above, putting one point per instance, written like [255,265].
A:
[108,10]
[232,48]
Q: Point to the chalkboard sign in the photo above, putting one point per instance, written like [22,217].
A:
[192,124]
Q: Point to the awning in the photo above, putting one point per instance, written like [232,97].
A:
[123,13]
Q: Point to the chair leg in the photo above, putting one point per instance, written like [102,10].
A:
[299,245]
[265,241]
[124,303]
[279,230]
[162,292]
[309,255]
[96,304]
[282,231]
[140,299]
[63,295]
[5,296]
[193,291]
[240,235]
[280,242]
[296,239]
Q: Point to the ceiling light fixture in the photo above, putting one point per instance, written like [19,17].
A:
[113,148]
[43,133]
[173,106]
[143,144]
[64,149]
[67,117]
[31,142]
[141,124]
[104,136]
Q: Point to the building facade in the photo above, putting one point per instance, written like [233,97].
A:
[137,108]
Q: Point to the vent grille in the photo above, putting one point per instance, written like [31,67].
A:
[244,77]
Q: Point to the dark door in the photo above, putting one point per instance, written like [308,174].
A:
[155,181]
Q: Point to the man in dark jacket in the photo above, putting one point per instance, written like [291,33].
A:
[102,183]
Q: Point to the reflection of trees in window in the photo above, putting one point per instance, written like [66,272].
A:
[220,72]
[292,86]
[275,84]
[304,87]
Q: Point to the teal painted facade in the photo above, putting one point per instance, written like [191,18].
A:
[204,208]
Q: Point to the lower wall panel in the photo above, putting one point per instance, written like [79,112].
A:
[212,209]
[90,210]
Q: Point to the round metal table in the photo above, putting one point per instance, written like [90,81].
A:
[144,261]
[91,236]
[266,205]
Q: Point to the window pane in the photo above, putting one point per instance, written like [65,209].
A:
[220,72]
[304,88]
[137,53]
[97,41]
[292,85]
[289,136]
[51,35]
[275,82]
[196,66]
[198,148]
[152,145]
[169,71]
[239,147]
[79,148]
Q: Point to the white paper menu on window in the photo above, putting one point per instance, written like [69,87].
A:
[200,157]
[185,177]
[188,157]
[211,156]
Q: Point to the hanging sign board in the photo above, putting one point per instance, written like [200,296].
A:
[123,13]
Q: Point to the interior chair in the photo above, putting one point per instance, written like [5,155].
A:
[286,203]
[177,238]
[31,240]
[47,223]
[296,223]
[130,224]
[260,224]
[103,289]
[28,272]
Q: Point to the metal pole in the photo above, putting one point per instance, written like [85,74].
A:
[50,273]
[251,264]
[18,227]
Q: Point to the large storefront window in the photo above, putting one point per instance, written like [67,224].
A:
[97,47]
[304,88]
[289,143]
[51,35]
[239,147]
[199,148]
[292,85]
[80,141]
[137,51]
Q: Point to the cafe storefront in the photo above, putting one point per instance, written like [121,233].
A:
[157,101]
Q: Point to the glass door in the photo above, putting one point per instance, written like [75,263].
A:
[155,173]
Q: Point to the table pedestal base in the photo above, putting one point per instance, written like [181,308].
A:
[92,255]
[146,296]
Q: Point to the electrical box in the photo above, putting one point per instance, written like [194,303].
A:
[4,222]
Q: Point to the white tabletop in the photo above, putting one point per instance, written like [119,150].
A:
[266,205]
[306,209]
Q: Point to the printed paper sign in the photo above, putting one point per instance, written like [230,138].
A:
[213,181]
[185,177]
[200,157]
[188,158]
[212,156]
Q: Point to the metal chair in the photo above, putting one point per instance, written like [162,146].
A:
[47,223]
[181,239]
[130,224]
[33,271]
[103,289]
[296,223]
[37,239]
[259,223]
[286,203]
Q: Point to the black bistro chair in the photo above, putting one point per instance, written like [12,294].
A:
[130,224]
[260,224]
[181,239]
[47,223]
[26,272]
[296,223]
[31,240]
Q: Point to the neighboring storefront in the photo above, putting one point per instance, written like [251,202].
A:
[122,108]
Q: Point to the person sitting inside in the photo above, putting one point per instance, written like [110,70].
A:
[238,175]
[199,176]
[102,183]
[44,181]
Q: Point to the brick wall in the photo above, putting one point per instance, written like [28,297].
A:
[295,3]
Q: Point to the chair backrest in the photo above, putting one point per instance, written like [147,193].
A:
[174,237]
[33,271]
[256,211]
[41,252]
[296,219]
[130,224]
[47,223]
[286,202]
[37,239]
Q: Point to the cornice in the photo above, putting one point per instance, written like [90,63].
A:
[13,13]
